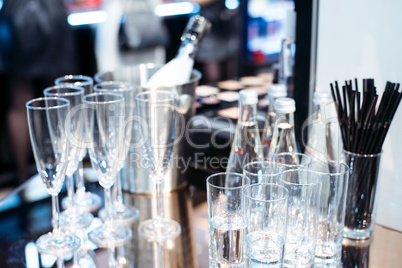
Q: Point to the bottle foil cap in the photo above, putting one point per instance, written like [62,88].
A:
[285,105]
[196,28]
[277,91]
[248,96]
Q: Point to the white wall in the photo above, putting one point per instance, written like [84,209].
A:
[363,39]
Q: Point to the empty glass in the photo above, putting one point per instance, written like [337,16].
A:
[303,211]
[263,171]
[227,219]
[104,125]
[334,185]
[49,140]
[73,218]
[86,201]
[293,160]
[121,213]
[158,111]
[267,217]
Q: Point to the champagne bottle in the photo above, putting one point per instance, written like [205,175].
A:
[246,146]
[178,70]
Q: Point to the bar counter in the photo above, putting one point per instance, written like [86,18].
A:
[24,219]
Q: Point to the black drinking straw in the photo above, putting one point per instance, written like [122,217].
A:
[364,120]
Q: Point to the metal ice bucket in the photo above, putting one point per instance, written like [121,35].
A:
[135,175]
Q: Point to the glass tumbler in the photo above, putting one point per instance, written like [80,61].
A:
[266,232]
[263,171]
[361,203]
[334,185]
[304,188]
[227,219]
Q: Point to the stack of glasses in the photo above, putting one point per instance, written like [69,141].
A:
[72,120]
[278,213]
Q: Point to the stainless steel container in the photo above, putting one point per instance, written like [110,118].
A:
[135,175]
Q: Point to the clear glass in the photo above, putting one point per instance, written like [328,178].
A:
[158,111]
[121,213]
[266,232]
[269,125]
[334,181]
[323,143]
[283,138]
[293,160]
[287,63]
[73,218]
[304,188]
[87,201]
[361,203]
[246,145]
[263,171]
[104,126]
[49,140]
[227,219]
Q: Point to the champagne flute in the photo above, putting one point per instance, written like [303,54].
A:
[158,109]
[86,201]
[72,218]
[47,130]
[104,122]
[121,213]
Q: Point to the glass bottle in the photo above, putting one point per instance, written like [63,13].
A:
[323,141]
[178,70]
[275,91]
[246,146]
[283,138]
[287,53]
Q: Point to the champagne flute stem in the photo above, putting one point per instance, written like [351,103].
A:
[118,192]
[56,213]
[159,201]
[108,204]
[79,179]
[70,190]
[112,258]
[60,262]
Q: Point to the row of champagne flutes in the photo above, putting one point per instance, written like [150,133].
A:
[70,120]
[278,213]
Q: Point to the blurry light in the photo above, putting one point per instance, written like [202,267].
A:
[47,260]
[232,4]
[83,18]
[31,255]
[1,4]
[180,8]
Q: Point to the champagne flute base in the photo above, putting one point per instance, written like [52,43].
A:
[121,214]
[159,229]
[86,202]
[72,219]
[58,244]
[108,236]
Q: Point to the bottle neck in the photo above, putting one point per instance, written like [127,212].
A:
[248,112]
[188,47]
[285,118]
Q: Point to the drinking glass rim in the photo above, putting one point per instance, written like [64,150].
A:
[295,153]
[29,103]
[121,98]
[226,173]
[86,80]
[171,96]
[263,161]
[126,87]
[302,184]
[267,184]
[77,90]
[335,173]
[364,155]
